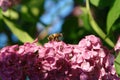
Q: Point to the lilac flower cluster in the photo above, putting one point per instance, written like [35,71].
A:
[5,4]
[88,60]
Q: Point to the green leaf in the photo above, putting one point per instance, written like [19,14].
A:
[95,2]
[84,17]
[0,14]
[117,64]
[113,15]
[22,35]
[101,3]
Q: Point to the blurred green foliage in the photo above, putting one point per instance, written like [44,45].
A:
[117,64]
[24,17]
[100,18]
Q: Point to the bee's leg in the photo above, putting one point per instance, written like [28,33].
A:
[56,39]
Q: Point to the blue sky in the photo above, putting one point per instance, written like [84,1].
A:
[55,12]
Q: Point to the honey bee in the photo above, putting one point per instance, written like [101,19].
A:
[55,37]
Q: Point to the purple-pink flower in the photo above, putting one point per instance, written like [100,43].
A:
[10,64]
[87,60]
[5,4]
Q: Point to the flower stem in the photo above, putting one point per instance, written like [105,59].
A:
[97,28]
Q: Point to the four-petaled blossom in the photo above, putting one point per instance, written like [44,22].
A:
[117,46]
